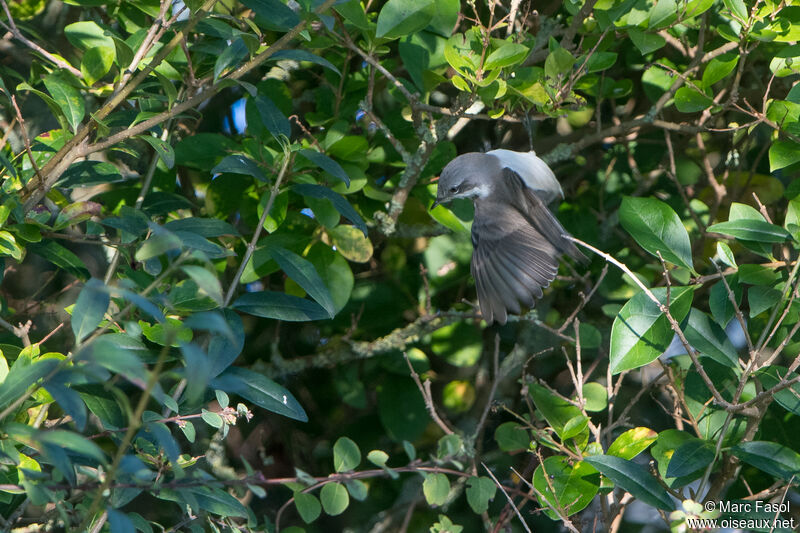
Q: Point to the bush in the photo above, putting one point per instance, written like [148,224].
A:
[227,304]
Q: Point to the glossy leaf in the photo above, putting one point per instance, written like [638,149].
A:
[657,228]
[338,201]
[280,306]
[567,486]
[162,148]
[641,332]
[710,339]
[402,17]
[770,457]
[304,55]
[240,164]
[68,98]
[96,63]
[327,164]
[751,230]
[260,390]
[632,442]
[89,309]
[634,479]
[691,456]
[302,271]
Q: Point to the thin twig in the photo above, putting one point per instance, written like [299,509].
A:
[251,246]
[425,390]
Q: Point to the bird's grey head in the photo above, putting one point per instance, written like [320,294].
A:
[467,176]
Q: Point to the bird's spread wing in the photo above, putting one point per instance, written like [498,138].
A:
[517,246]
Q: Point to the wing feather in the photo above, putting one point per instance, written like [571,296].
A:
[517,247]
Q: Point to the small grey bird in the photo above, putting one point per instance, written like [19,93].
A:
[517,241]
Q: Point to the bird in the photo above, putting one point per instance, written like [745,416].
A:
[517,242]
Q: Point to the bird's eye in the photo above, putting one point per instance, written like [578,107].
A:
[454,189]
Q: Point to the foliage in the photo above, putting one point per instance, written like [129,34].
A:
[227,304]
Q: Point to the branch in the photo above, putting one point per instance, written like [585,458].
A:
[12,27]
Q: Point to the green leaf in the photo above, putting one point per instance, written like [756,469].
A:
[351,243]
[303,273]
[600,61]
[86,35]
[212,419]
[89,173]
[206,281]
[738,8]
[689,457]
[510,54]
[280,306]
[690,100]
[9,246]
[308,506]
[436,488]
[338,201]
[332,267]
[558,63]
[567,486]
[273,15]
[480,491]
[632,442]
[118,353]
[272,118]
[231,57]
[751,230]
[596,396]
[722,309]
[378,457]
[664,450]
[557,411]
[89,309]
[96,63]
[511,437]
[326,163]
[718,68]
[402,17]
[67,97]
[346,455]
[657,228]
[634,479]
[119,522]
[205,227]
[710,339]
[646,42]
[770,457]
[641,332]
[162,148]
[782,154]
[304,55]
[725,254]
[22,376]
[357,489]
[60,257]
[260,390]
[217,501]
[663,14]
[160,242]
[335,499]
[446,17]
[788,398]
